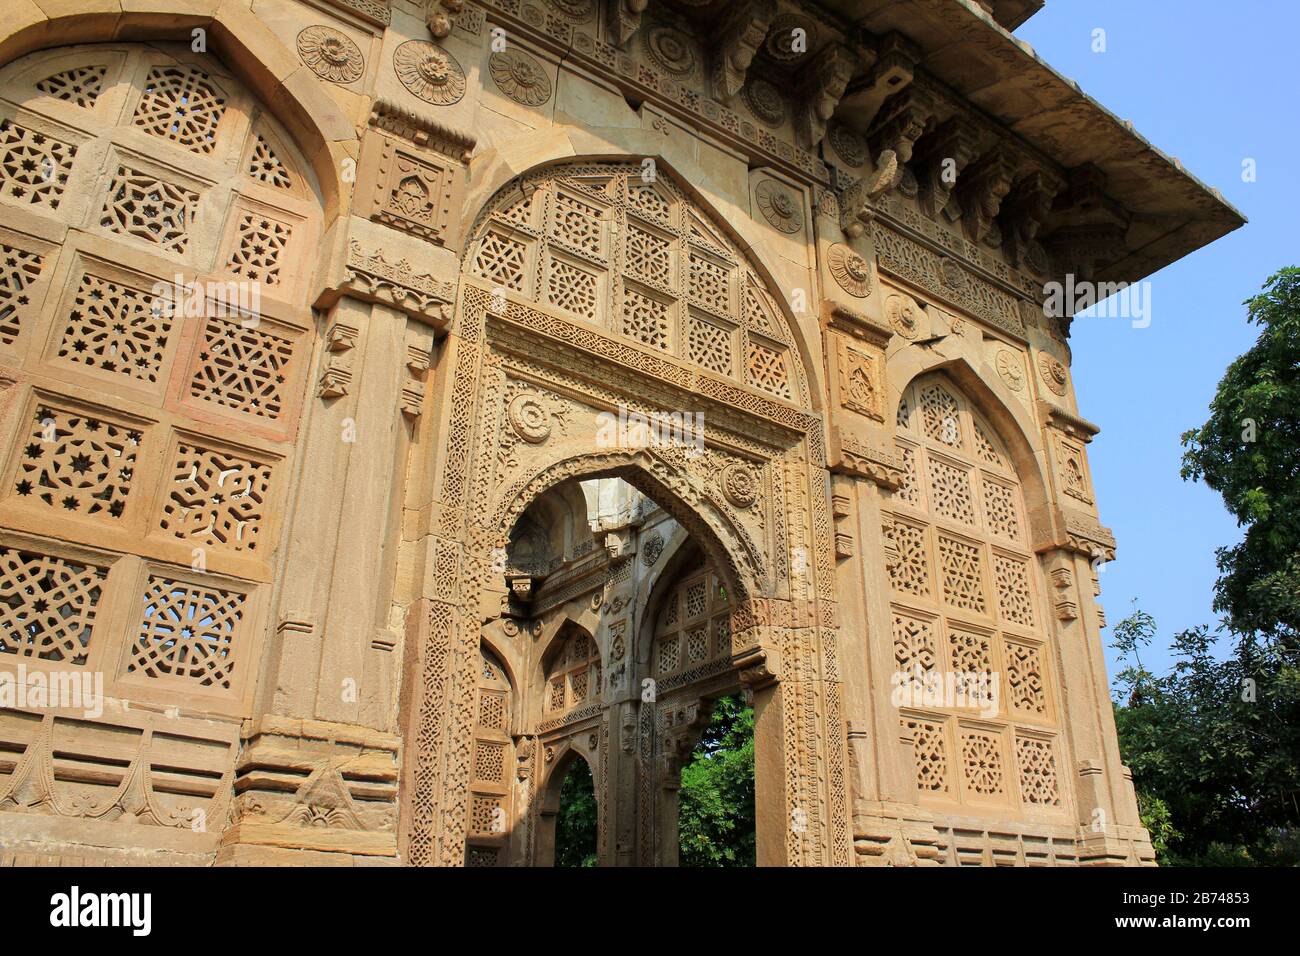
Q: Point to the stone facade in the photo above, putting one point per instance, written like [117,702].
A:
[332,333]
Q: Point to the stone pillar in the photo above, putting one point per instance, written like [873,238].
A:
[327,707]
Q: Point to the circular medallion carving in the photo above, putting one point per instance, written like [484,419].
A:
[579,11]
[429,72]
[530,418]
[782,36]
[652,549]
[764,101]
[520,77]
[330,54]
[850,270]
[510,627]
[779,206]
[670,51]
[848,145]
[1010,370]
[904,315]
[739,485]
[1053,371]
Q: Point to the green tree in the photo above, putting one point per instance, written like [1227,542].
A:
[1213,745]
[1249,452]
[716,801]
[575,826]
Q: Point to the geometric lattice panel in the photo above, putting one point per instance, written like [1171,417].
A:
[911,573]
[149,208]
[18,270]
[116,329]
[487,815]
[33,167]
[963,576]
[259,248]
[981,757]
[1025,681]
[242,369]
[1037,765]
[81,85]
[47,606]
[216,498]
[187,633]
[180,104]
[930,749]
[489,761]
[265,166]
[1011,578]
[78,464]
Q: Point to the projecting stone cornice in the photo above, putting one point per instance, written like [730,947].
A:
[969,51]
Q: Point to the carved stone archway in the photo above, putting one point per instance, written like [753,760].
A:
[532,385]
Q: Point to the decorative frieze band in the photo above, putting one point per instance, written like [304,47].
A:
[559,34]
[946,278]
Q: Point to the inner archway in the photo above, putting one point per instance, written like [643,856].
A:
[617,621]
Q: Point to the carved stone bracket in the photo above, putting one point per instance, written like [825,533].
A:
[741,35]
[941,158]
[981,191]
[625,20]
[824,82]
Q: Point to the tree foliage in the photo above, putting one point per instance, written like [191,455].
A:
[716,801]
[575,827]
[1249,452]
[1213,745]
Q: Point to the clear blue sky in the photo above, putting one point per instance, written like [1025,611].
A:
[1212,84]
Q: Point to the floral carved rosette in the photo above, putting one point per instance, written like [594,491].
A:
[778,206]
[739,485]
[850,270]
[1010,369]
[904,315]
[652,549]
[330,55]
[1053,371]
[670,51]
[765,102]
[530,418]
[520,77]
[848,145]
[429,72]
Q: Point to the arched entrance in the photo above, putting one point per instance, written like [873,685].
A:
[556,381]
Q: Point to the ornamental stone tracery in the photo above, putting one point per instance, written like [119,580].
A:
[651,253]
[639,258]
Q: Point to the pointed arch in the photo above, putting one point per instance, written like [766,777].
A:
[649,260]
[246,47]
[1011,422]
